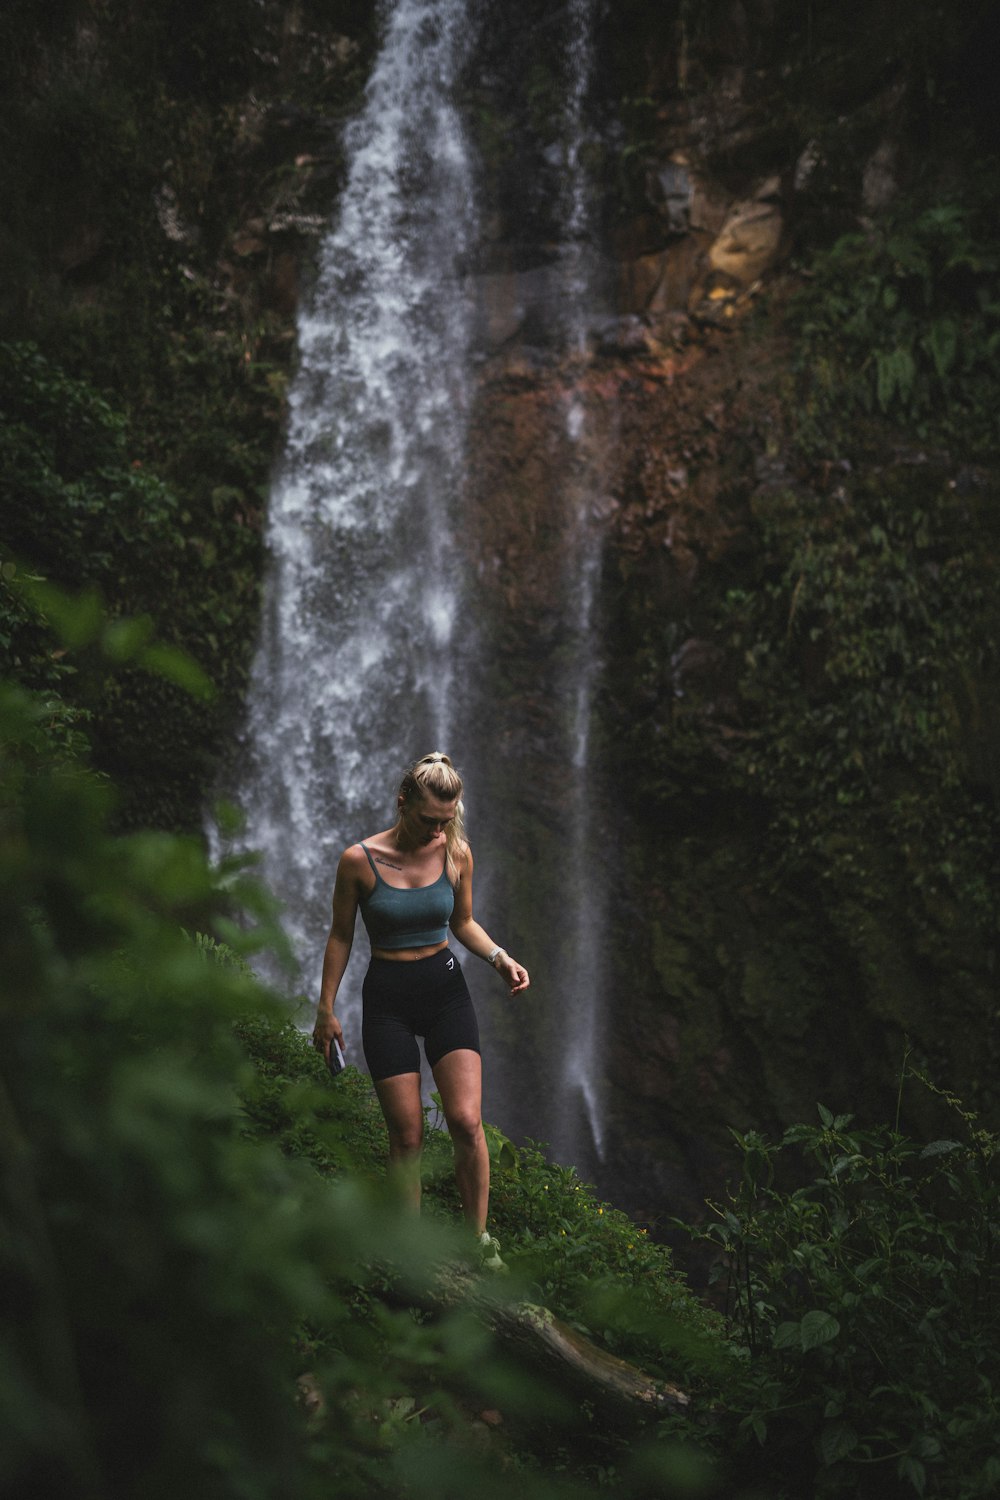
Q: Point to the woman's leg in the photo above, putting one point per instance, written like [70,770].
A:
[399,1097]
[459,1077]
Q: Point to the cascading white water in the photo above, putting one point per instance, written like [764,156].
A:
[362,598]
[366,621]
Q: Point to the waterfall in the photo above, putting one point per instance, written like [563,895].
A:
[368,623]
[362,607]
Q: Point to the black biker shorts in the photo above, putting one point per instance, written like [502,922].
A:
[404,999]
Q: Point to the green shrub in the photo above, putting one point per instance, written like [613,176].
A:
[904,321]
[867,1303]
[160,1259]
[587,1262]
[75,506]
[594,1266]
[173,1260]
[866,656]
[78,509]
[74,499]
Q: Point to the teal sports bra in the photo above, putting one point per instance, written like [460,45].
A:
[416,918]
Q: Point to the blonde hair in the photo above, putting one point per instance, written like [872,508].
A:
[435,773]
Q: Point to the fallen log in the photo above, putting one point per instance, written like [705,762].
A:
[557,1348]
[621,1391]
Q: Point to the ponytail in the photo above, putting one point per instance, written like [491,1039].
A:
[435,773]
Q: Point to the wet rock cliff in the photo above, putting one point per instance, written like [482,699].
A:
[794,901]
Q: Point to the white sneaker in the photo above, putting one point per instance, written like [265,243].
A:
[489,1253]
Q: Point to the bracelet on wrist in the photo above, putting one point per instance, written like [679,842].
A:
[491,957]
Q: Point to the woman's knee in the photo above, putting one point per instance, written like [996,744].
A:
[465,1126]
[406,1137]
[399,1096]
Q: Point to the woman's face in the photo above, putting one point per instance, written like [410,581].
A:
[425,818]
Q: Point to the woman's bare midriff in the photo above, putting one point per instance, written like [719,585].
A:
[408,953]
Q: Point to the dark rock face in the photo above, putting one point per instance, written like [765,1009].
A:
[734,1002]
[674,512]
[671,443]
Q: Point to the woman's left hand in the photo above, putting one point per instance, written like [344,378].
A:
[515,974]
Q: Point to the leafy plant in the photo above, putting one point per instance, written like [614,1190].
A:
[866,651]
[161,1256]
[866,1300]
[123,302]
[75,504]
[904,321]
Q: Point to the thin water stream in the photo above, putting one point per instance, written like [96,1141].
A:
[583,969]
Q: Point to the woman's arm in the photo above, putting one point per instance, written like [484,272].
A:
[338,951]
[475,938]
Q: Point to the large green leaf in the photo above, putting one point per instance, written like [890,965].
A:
[817,1328]
[836,1441]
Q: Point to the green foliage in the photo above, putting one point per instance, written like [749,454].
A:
[867,1303]
[134,148]
[76,506]
[867,650]
[118,1110]
[595,1267]
[903,321]
[588,1262]
[74,500]
[162,1260]
[79,509]
[190,1226]
[290,1102]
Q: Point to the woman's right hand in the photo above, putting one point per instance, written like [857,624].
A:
[326,1030]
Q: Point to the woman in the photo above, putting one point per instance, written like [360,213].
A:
[411,883]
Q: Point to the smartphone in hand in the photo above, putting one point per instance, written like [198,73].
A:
[336,1058]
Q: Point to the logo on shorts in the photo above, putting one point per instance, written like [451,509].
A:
[450,964]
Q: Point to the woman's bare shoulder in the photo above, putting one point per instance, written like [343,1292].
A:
[353,861]
[374,843]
